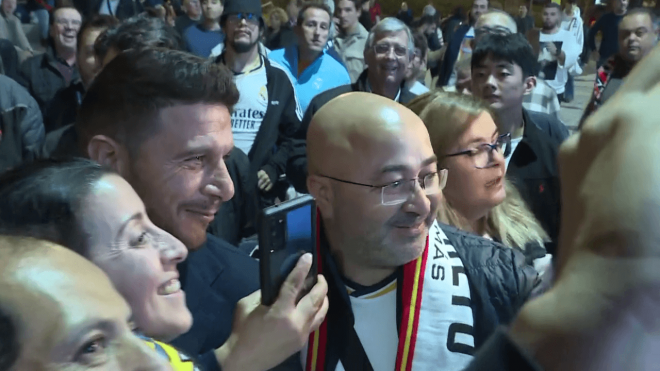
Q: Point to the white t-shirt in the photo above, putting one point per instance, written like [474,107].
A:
[375,325]
[514,145]
[555,74]
[418,88]
[251,108]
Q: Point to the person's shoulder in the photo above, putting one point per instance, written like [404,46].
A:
[277,54]
[328,95]
[477,251]
[223,249]
[13,92]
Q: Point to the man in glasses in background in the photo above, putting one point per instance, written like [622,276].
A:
[378,188]
[388,52]
[503,69]
[267,113]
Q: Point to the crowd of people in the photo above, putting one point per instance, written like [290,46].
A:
[461,226]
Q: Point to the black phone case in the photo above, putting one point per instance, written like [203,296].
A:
[270,284]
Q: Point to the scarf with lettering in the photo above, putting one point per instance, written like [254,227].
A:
[434,314]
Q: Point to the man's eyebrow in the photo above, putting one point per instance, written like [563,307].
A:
[401,168]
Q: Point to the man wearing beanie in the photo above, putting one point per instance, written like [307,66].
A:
[267,113]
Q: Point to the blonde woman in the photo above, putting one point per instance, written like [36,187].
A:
[478,198]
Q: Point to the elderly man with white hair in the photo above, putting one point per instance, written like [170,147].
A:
[388,50]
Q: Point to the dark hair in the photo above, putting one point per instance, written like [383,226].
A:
[41,200]
[58,6]
[125,98]
[312,5]
[421,43]
[550,4]
[98,21]
[9,346]
[426,19]
[512,48]
[137,32]
[358,3]
[646,11]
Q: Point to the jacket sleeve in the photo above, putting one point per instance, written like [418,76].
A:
[33,133]
[296,167]
[591,36]
[527,279]
[500,353]
[289,124]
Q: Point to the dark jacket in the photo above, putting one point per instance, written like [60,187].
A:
[214,277]
[501,354]
[63,108]
[236,218]
[21,128]
[500,282]
[533,169]
[273,143]
[42,78]
[125,9]
[609,79]
[608,25]
[296,167]
[453,47]
[284,38]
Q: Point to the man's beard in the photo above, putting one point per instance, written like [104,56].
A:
[242,47]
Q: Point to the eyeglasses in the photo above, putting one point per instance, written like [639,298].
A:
[399,192]
[250,18]
[483,155]
[385,48]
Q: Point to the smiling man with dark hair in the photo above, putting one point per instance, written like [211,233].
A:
[130,121]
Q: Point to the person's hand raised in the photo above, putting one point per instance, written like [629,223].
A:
[263,337]
[606,297]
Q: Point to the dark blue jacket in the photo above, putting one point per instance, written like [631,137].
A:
[448,62]
[608,24]
[214,278]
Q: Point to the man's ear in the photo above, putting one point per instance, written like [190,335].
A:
[319,187]
[108,152]
[529,84]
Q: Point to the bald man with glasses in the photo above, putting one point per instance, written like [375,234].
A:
[378,189]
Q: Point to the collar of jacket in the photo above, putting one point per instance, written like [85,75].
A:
[340,313]
[361,85]
[525,152]
[292,53]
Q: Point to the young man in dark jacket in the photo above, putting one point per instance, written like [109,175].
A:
[21,128]
[503,69]
[387,82]
[378,189]
[267,114]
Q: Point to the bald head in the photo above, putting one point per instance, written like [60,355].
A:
[347,132]
[496,19]
[368,160]
[56,303]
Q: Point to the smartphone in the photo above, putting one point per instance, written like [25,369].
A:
[286,232]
